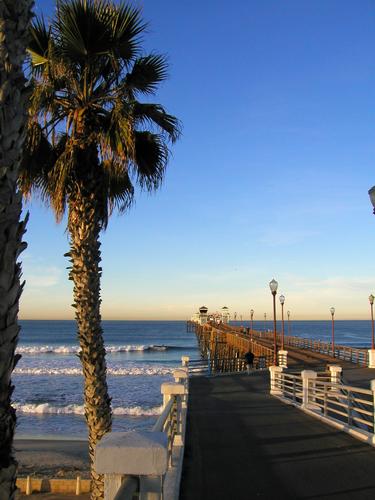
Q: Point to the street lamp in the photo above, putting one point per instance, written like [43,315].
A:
[372,196]
[282,300]
[371,300]
[251,318]
[265,319]
[273,287]
[332,310]
[288,313]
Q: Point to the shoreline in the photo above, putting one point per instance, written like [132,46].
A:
[50,457]
[47,437]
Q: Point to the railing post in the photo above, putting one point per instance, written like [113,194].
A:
[28,486]
[371,358]
[275,376]
[350,409]
[182,377]
[372,386]
[185,361]
[308,397]
[78,485]
[168,390]
[282,357]
[325,401]
[336,372]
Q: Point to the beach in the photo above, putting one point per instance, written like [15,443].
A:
[50,458]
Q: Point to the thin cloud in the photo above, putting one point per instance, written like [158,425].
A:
[42,277]
[274,237]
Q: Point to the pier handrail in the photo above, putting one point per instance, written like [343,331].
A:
[347,407]
[148,462]
[160,424]
[354,355]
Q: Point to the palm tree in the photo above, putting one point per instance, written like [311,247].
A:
[14,30]
[89,141]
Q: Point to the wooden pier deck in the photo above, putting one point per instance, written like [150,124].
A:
[225,345]
[242,443]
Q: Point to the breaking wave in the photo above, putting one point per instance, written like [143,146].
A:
[68,349]
[46,408]
[130,371]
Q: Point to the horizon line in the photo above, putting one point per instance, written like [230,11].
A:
[246,320]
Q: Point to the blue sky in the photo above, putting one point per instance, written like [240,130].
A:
[269,179]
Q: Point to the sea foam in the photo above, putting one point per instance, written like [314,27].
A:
[129,371]
[47,408]
[70,349]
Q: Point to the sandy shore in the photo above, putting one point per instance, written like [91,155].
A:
[52,458]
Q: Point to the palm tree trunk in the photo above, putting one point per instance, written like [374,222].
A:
[14,24]
[84,228]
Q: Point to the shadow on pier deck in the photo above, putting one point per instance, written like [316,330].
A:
[242,443]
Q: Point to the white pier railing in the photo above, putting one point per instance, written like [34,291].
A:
[349,408]
[148,463]
[354,355]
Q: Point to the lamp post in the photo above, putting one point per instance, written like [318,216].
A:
[371,300]
[273,287]
[288,314]
[372,196]
[332,310]
[251,319]
[282,300]
[265,318]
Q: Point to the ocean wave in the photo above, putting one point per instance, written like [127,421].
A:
[130,371]
[47,408]
[70,349]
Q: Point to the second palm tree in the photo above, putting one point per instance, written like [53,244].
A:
[89,140]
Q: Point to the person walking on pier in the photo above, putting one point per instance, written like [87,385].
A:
[249,357]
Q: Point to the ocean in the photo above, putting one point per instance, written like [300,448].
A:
[140,356]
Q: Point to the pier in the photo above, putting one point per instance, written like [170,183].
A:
[224,346]
[303,428]
[243,443]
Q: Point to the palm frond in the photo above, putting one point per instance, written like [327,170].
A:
[154,113]
[115,134]
[151,156]
[126,25]
[80,29]
[147,73]
[120,190]
[59,181]
[37,160]
[40,39]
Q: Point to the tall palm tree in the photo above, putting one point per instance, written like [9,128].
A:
[89,141]
[14,30]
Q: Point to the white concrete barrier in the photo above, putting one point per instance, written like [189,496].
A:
[152,459]
[308,380]
[275,381]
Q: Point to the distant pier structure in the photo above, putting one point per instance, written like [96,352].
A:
[225,316]
[202,317]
